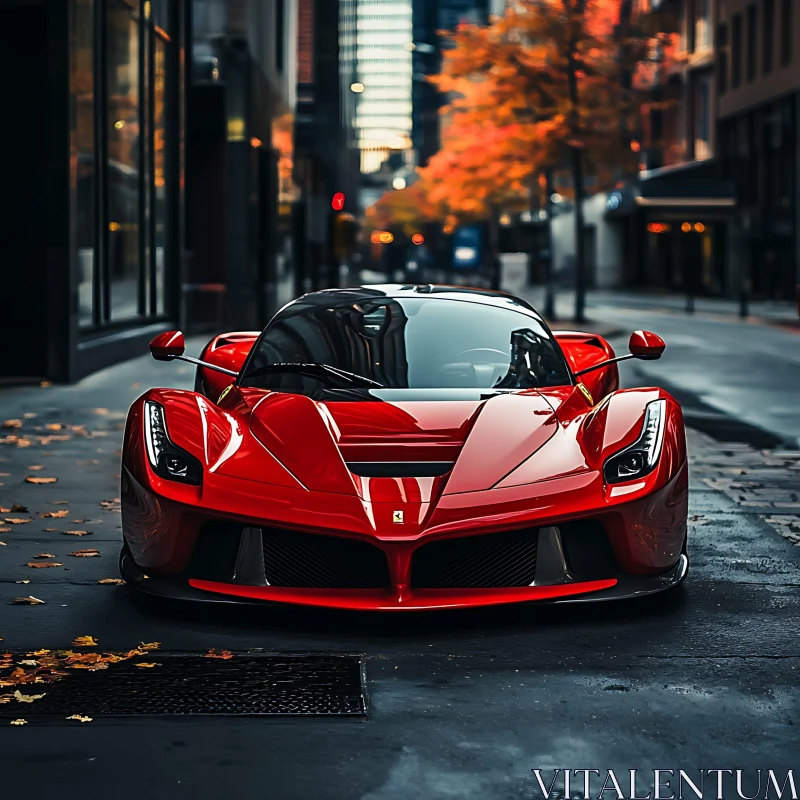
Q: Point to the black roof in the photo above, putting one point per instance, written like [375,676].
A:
[498,299]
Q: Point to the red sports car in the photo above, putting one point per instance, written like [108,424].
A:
[405,448]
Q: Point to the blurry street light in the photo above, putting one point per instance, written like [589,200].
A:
[399,183]
[357,87]
[686,227]
[699,227]
[382,237]
[505,220]
[418,238]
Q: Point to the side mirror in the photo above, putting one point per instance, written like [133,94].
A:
[646,346]
[643,344]
[167,346]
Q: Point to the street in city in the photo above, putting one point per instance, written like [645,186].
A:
[461,704]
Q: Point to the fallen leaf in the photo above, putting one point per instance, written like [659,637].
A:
[44,564]
[79,521]
[18,722]
[34,479]
[146,665]
[27,601]
[3,544]
[4,510]
[79,718]
[27,698]
[112,582]
[5,530]
[84,641]
[28,663]
[21,509]
[56,514]
[50,530]
[223,654]
[77,533]
[59,502]
[12,424]
[16,520]
[40,652]
[45,555]
[23,581]
[54,426]
[86,553]
[29,415]
[5,698]
[149,645]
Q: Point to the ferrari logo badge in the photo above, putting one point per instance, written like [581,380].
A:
[224,393]
[586,393]
[397,516]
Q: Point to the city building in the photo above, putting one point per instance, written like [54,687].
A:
[326,147]
[430,18]
[384,69]
[240,115]
[674,224]
[674,221]
[758,97]
[92,236]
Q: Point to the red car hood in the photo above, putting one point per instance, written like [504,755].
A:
[484,439]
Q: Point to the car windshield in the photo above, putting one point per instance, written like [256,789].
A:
[404,343]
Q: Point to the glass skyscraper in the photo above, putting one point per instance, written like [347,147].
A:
[384,55]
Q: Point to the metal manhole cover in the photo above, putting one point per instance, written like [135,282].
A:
[188,684]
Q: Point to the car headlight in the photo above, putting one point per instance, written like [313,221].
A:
[641,457]
[166,459]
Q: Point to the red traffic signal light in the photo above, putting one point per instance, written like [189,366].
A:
[337,204]
[418,238]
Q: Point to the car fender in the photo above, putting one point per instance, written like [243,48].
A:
[229,351]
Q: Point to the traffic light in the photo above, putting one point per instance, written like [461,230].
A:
[337,204]
[418,239]
[345,235]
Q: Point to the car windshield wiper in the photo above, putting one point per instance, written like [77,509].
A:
[315,369]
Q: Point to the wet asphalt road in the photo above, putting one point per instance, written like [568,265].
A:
[463,705]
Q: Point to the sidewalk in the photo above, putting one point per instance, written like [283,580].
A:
[781,314]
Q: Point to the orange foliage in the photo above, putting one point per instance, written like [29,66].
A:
[543,80]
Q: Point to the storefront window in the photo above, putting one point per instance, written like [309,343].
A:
[123,129]
[82,77]
[159,150]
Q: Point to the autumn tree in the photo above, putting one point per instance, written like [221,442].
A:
[553,72]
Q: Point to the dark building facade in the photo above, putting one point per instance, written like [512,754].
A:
[91,240]
[239,110]
[758,86]
[430,17]
[144,173]
[326,153]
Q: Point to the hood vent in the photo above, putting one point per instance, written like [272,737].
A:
[400,469]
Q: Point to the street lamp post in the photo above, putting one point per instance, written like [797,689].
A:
[550,293]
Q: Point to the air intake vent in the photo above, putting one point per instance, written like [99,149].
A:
[400,469]
[477,562]
[303,560]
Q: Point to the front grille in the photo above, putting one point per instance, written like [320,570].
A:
[309,561]
[477,562]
